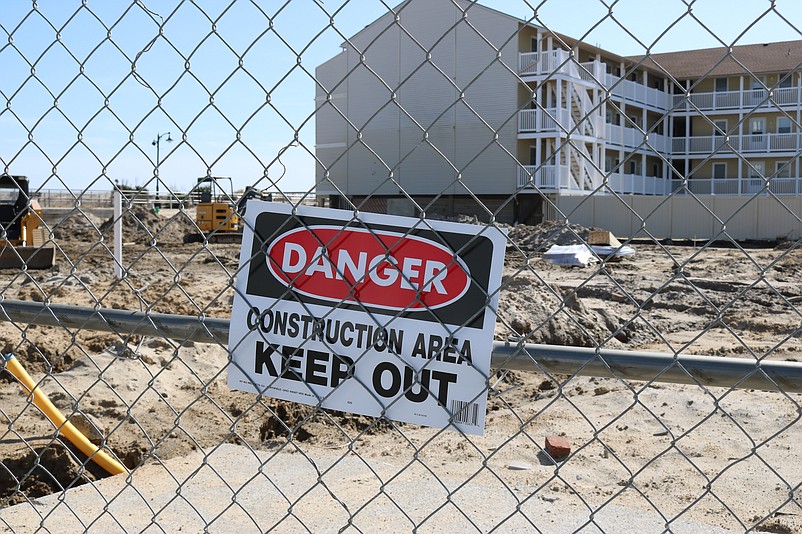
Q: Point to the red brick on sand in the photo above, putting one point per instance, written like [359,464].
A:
[557,447]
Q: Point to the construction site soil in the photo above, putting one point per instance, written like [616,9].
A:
[727,458]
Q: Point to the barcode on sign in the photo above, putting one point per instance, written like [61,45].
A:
[465,413]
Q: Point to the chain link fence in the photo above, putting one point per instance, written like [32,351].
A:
[643,167]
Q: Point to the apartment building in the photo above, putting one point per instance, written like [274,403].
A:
[467,110]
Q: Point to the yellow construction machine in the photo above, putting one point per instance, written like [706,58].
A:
[22,235]
[217,216]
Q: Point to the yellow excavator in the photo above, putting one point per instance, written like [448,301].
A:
[217,216]
[23,237]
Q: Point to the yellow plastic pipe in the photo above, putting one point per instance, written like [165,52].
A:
[55,416]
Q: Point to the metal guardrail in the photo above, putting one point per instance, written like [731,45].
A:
[738,373]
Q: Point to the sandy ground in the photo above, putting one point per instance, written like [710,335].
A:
[730,459]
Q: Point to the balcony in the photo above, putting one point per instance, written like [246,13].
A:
[553,121]
[553,178]
[559,122]
[754,143]
[636,184]
[638,93]
[531,121]
[733,100]
[633,138]
[547,178]
[735,186]
[559,62]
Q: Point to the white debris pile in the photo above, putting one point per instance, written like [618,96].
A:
[563,243]
[570,255]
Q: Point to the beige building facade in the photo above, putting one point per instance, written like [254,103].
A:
[464,107]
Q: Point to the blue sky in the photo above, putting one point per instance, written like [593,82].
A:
[106,117]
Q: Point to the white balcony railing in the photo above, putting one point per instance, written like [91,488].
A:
[785,142]
[636,184]
[749,99]
[556,62]
[550,178]
[735,186]
[547,178]
[545,121]
[638,93]
[633,138]
[556,121]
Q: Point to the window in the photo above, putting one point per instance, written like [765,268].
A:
[756,141]
[721,85]
[783,169]
[635,122]
[758,82]
[633,167]
[757,169]
[532,155]
[720,127]
[608,164]
[719,171]
[657,170]
[783,125]
[659,129]
[786,80]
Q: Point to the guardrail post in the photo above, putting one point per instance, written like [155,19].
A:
[118,234]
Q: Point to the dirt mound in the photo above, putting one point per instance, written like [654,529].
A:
[141,224]
[144,225]
[77,227]
[558,316]
[546,234]
[172,229]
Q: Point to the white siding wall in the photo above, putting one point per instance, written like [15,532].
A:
[427,93]
[491,90]
[370,87]
[331,129]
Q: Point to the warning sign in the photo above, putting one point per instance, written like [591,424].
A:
[380,315]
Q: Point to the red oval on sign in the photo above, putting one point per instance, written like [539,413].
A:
[381,269]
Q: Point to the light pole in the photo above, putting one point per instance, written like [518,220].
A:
[156,144]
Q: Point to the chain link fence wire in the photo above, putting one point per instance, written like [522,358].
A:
[673,128]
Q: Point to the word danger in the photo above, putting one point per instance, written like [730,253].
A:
[383,269]
[321,368]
